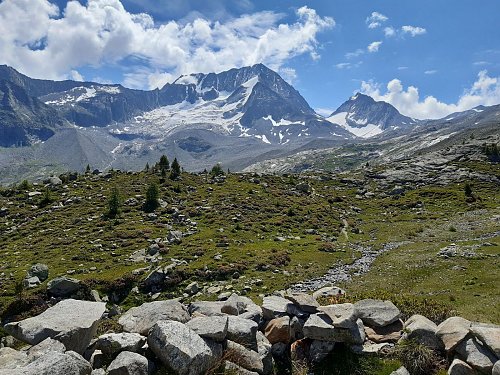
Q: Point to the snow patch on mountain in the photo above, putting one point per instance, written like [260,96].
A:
[364,131]
[80,94]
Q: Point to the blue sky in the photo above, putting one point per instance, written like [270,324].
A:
[427,57]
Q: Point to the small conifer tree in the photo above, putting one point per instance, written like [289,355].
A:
[175,172]
[217,170]
[87,170]
[152,196]
[164,163]
[114,203]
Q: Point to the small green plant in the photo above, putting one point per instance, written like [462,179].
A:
[452,229]
[217,170]
[152,196]
[25,185]
[46,198]
[468,189]
[164,164]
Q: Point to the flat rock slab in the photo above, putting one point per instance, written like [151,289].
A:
[72,322]
[390,333]
[63,286]
[207,308]
[343,315]
[242,331]
[304,301]
[246,358]
[113,343]
[212,327]
[452,331]
[140,319]
[377,313]
[180,348]
[274,307]
[54,363]
[327,292]
[476,355]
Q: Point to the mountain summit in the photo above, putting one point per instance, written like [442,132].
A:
[365,117]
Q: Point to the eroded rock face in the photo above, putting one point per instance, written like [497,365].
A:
[140,319]
[180,348]
[377,313]
[72,322]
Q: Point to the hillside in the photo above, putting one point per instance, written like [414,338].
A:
[257,233]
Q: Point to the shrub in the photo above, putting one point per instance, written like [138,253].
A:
[46,198]
[417,358]
[175,173]
[114,203]
[217,170]
[152,196]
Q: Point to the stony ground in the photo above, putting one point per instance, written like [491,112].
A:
[382,231]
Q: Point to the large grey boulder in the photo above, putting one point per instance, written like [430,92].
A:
[180,348]
[39,270]
[319,327]
[459,367]
[129,363]
[476,355]
[213,327]
[343,315]
[422,330]
[63,286]
[264,348]
[274,307]
[328,292]
[452,331]
[233,368]
[242,306]
[377,313]
[54,363]
[46,346]
[113,343]
[207,308]
[304,301]
[140,319]
[31,282]
[244,357]
[11,358]
[72,322]
[489,334]
[242,331]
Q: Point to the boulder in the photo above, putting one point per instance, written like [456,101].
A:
[233,368]
[459,367]
[304,301]
[54,363]
[319,350]
[422,330]
[11,358]
[342,315]
[246,358]
[31,282]
[390,333]
[39,270]
[376,313]
[278,330]
[140,319]
[327,292]
[489,335]
[192,288]
[46,346]
[207,308]
[401,371]
[213,327]
[264,348]
[235,305]
[274,307]
[496,368]
[63,286]
[476,355]
[318,327]
[71,322]
[452,331]
[113,343]
[180,348]
[129,363]
[242,331]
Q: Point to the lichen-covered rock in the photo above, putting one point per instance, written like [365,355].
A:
[213,327]
[72,322]
[129,363]
[180,348]
[304,301]
[244,357]
[343,315]
[113,343]
[140,319]
[376,313]
[242,331]
[54,363]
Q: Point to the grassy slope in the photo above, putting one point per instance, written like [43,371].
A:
[247,217]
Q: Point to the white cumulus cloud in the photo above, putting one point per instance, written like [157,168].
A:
[41,41]
[484,91]
[413,30]
[373,47]
[375,20]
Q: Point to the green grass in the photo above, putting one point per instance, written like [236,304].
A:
[241,219]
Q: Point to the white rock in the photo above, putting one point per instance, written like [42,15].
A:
[113,343]
[423,331]
[376,313]
[213,327]
[129,363]
[452,331]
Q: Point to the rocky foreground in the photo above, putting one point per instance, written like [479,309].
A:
[235,335]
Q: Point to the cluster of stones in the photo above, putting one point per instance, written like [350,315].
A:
[236,334]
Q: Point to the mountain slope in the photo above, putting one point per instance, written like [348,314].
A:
[24,120]
[364,117]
